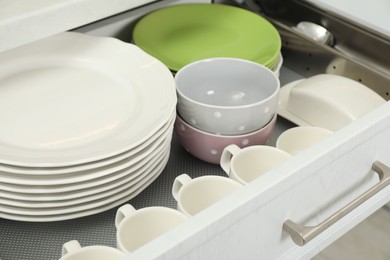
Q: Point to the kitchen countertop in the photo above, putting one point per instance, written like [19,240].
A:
[24,21]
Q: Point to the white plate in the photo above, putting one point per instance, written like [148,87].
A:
[6,169]
[369,14]
[76,190]
[77,98]
[43,218]
[11,181]
[8,181]
[104,191]
[111,201]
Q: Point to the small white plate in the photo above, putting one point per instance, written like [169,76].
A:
[73,98]
[66,216]
[80,189]
[52,171]
[90,195]
[91,207]
[34,183]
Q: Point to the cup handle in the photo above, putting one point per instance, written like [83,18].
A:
[178,184]
[70,246]
[227,155]
[123,212]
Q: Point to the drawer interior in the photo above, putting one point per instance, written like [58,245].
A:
[302,58]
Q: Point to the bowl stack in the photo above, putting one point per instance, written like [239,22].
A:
[224,101]
[181,34]
[219,102]
[87,124]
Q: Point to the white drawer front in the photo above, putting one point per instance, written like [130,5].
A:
[307,189]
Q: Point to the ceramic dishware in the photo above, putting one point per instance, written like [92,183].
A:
[135,228]
[95,209]
[56,173]
[208,147]
[26,202]
[325,100]
[297,139]
[72,250]
[195,195]
[278,65]
[180,34]
[227,96]
[245,165]
[133,97]
[88,142]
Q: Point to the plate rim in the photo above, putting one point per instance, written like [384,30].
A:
[100,149]
[178,65]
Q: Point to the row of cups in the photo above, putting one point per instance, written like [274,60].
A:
[209,147]
[223,101]
[137,227]
[247,164]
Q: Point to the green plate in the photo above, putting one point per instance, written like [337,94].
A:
[180,34]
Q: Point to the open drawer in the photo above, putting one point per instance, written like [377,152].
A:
[250,224]
[307,189]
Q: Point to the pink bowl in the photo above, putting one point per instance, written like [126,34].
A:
[209,147]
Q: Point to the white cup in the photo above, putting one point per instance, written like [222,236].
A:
[194,195]
[73,251]
[245,165]
[136,228]
[297,139]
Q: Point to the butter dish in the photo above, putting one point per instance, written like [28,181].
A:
[325,100]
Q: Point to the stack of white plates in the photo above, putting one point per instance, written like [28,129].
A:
[86,125]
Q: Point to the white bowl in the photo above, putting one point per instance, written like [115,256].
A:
[325,100]
[227,96]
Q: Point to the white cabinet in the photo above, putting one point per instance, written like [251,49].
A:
[307,189]
[373,14]
[22,21]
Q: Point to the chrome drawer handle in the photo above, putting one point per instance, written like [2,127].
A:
[302,234]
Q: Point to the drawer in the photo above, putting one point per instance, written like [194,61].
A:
[306,189]
[22,22]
